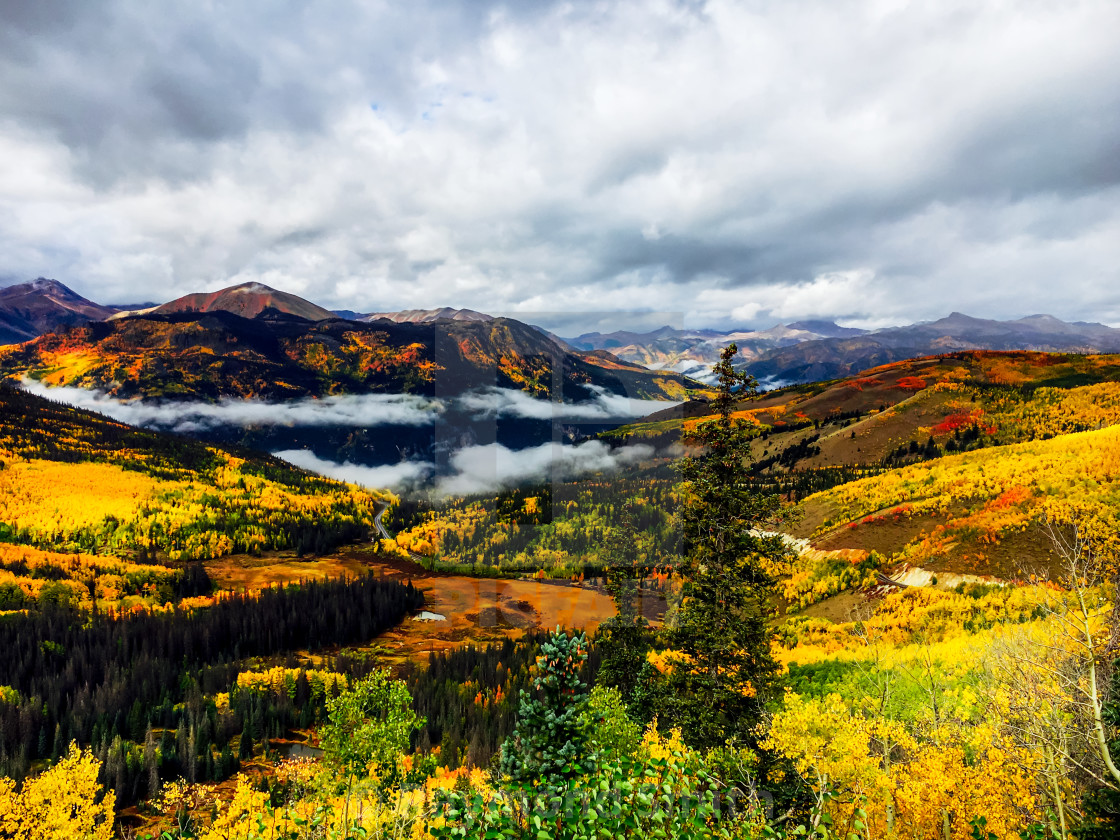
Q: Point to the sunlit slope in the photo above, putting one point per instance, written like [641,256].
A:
[873,419]
[557,530]
[973,511]
[72,480]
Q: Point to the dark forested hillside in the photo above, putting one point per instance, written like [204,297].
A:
[219,354]
[106,680]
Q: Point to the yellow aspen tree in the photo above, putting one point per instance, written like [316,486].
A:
[65,801]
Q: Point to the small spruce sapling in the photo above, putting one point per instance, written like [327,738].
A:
[551,740]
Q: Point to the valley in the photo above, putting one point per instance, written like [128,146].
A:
[195,613]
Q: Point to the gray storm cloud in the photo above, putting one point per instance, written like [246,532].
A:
[740,163]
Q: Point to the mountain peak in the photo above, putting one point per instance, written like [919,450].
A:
[251,287]
[249,300]
[955,319]
[46,284]
[828,329]
[426,316]
[40,286]
[42,305]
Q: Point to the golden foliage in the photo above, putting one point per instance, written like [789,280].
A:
[116,583]
[911,784]
[99,507]
[944,618]
[55,499]
[283,680]
[64,801]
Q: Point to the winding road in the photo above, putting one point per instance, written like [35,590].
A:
[380,525]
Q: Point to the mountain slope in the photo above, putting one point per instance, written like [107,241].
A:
[977,511]
[425,316]
[829,358]
[888,416]
[31,309]
[218,354]
[249,300]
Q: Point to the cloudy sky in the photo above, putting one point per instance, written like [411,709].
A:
[715,163]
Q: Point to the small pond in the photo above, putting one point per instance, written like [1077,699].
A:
[297,749]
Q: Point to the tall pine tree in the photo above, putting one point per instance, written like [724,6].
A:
[718,687]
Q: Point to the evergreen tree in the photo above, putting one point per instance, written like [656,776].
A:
[151,764]
[727,670]
[551,739]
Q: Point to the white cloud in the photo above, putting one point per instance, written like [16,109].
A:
[401,476]
[482,469]
[479,469]
[504,402]
[357,410]
[185,417]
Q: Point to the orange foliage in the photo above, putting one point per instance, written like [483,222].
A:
[911,383]
[958,420]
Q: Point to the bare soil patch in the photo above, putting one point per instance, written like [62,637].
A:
[885,535]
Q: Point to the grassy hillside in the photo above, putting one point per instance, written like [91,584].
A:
[924,391]
[974,511]
[910,411]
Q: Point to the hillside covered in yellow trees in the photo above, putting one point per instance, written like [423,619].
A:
[74,481]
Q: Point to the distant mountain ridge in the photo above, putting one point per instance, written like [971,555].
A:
[424,316]
[218,354]
[693,352]
[800,351]
[831,358]
[42,305]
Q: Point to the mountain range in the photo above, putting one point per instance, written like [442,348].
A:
[660,362]
[211,355]
[693,352]
[833,357]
